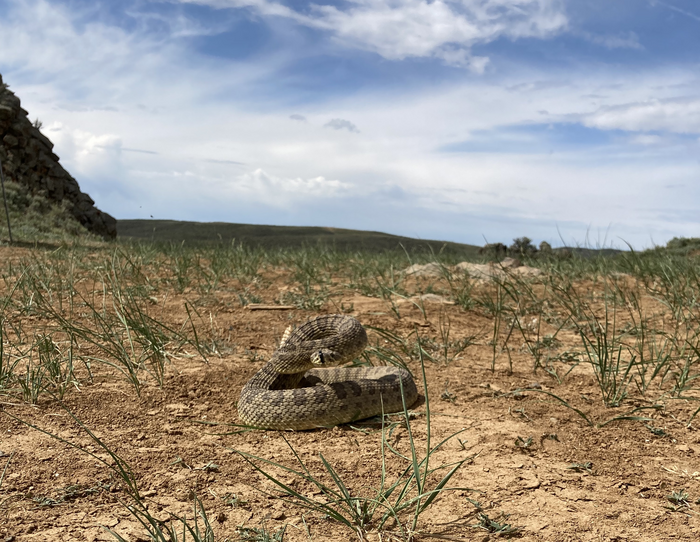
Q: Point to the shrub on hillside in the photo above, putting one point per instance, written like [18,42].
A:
[522,246]
[684,243]
[34,217]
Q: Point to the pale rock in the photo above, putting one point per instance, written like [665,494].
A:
[425,270]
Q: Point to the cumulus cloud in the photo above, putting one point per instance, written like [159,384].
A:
[400,29]
[96,156]
[273,190]
[342,124]
[679,115]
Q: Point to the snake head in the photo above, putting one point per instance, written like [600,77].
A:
[317,358]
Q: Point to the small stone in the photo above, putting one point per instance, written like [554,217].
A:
[531,483]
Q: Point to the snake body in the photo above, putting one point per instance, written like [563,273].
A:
[292,391]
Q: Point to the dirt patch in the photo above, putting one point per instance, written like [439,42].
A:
[529,461]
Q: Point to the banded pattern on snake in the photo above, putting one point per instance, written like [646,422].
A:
[293,391]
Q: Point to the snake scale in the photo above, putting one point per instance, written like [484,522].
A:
[295,390]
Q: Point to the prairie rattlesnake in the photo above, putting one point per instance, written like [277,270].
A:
[292,392]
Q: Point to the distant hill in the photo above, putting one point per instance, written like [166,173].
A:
[198,233]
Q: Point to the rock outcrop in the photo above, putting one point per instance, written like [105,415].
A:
[426,270]
[486,271]
[28,159]
[481,271]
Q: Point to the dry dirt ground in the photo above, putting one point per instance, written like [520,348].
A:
[521,449]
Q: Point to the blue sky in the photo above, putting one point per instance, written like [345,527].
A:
[573,122]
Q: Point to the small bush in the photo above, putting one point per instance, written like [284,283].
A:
[494,251]
[522,246]
[683,244]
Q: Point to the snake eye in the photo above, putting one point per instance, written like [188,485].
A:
[320,357]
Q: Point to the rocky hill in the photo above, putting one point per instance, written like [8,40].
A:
[28,159]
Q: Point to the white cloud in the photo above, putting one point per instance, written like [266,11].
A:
[95,156]
[400,29]
[40,37]
[281,191]
[98,66]
[679,115]
[462,58]
[397,29]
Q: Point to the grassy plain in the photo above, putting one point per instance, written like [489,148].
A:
[282,237]
[574,392]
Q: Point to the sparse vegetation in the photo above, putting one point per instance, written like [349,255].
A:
[141,340]
[523,247]
[34,218]
[497,526]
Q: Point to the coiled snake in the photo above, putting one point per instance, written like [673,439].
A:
[292,392]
